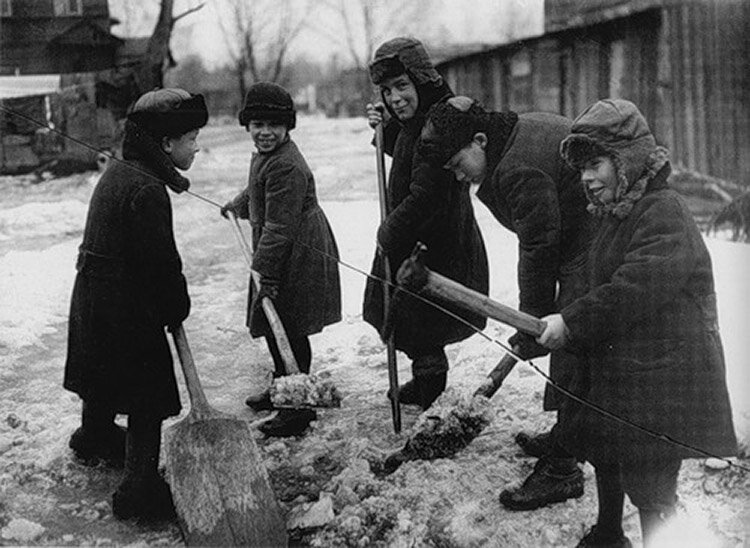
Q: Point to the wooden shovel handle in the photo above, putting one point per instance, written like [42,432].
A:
[454,293]
[387,293]
[198,399]
[285,349]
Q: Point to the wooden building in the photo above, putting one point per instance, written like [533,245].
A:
[685,63]
[55,36]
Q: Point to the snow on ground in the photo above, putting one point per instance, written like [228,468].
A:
[47,498]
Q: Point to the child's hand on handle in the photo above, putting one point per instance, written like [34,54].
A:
[375,114]
[556,333]
[228,208]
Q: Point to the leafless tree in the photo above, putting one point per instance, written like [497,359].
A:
[150,71]
[258,34]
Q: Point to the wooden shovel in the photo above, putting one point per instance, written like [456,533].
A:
[220,488]
[387,293]
[282,341]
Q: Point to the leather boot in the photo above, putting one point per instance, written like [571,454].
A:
[593,539]
[98,439]
[553,480]
[288,422]
[407,394]
[429,388]
[535,445]
[143,493]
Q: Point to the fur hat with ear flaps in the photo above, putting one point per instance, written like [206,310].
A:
[403,55]
[169,112]
[269,102]
[452,124]
[617,129]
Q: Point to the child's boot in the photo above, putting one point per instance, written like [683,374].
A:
[429,388]
[98,439]
[288,422]
[407,394]
[143,493]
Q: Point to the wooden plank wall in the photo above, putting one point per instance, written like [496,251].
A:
[686,66]
[704,78]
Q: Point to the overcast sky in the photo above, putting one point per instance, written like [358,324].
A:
[453,21]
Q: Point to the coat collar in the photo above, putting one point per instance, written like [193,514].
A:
[139,145]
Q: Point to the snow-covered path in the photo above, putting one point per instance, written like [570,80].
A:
[452,502]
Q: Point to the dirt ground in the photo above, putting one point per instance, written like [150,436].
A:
[322,480]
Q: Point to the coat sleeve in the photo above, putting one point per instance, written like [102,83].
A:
[428,192]
[159,265]
[535,217]
[240,204]
[658,261]
[285,189]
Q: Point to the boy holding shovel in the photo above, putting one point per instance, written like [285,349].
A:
[427,205]
[648,327]
[129,286]
[529,189]
[295,252]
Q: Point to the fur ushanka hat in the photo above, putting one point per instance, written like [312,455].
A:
[617,129]
[169,112]
[403,55]
[268,101]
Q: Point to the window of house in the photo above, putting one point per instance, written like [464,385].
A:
[68,7]
[5,8]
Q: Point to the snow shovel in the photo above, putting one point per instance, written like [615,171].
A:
[453,421]
[220,488]
[387,300]
[296,390]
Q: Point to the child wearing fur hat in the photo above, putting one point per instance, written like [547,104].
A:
[426,204]
[295,251]
[128,288]
[522,180]
[648,327]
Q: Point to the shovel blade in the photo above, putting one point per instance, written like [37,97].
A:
[220,487]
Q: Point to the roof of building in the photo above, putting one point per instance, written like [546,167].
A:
[569,14]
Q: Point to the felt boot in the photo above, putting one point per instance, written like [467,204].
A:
[288,422]
[99,439]
[143,493]
[407,394]
[429,387]
[553,480]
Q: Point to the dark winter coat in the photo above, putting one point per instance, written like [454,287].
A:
[292,242]
[651,331]
[426,205]
[648,323]
[129,286]
[532,192]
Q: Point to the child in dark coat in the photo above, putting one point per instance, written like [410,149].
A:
[426,205]
[295,252]
[514,159]
[648,327]
[128,288]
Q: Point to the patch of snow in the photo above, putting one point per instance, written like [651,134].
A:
[21,529]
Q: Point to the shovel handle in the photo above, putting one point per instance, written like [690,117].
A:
[198,399]
[387,293]
[268,308]
[498,375]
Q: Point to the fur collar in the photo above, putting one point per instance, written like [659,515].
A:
[625,198]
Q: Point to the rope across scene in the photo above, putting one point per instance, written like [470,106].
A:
[612,416]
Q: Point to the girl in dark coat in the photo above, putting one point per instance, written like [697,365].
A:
[130,286]
[648,326]
[530,190]
[295,252]
[426,204]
